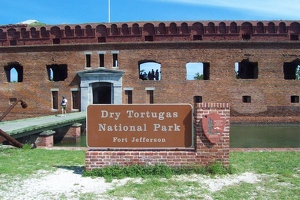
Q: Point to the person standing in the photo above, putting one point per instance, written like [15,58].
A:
[64,106]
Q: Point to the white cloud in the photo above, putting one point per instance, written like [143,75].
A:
[277,8]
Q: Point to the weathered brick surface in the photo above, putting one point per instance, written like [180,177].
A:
[202,154]
[173,46]
[45,141]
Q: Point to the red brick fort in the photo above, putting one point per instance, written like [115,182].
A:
[253,65]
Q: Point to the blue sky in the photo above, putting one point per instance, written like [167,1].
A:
[96,11]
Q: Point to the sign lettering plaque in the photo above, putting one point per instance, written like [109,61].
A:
[139,126]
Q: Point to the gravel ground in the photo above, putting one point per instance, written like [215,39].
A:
[69,184]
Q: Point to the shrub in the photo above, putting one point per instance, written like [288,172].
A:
[159,170]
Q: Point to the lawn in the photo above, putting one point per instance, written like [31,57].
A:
[254,175]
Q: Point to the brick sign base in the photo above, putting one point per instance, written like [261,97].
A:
[203,153]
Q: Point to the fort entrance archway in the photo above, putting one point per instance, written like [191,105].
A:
[102,93]
[100,86]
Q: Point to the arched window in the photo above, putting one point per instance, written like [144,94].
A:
[44,32]
[162,28]
[149,70]
[78,31]
[135,29]
[211,27]
[89,30]
[173,28]
[149,29]
[14,72]
[34,33]
[260,27]
[101,29]
[271,27]
[2,34]
[222,27]
[125,29]
[114,29]
[282,27]
[184,28]
[197,28]
[24,33]
[68,31]
[233,27]
[13,75]
[56,32]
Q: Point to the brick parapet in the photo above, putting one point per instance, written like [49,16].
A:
[203,153]
[148,31]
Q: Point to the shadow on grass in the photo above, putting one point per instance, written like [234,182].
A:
[76,169]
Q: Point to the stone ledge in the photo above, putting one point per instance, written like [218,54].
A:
[47,133]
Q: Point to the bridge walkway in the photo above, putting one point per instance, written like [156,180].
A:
[24,127]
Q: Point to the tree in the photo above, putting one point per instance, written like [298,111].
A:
[198,76]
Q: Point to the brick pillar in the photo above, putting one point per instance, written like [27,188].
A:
[73,132]
[45,139]
[206,150]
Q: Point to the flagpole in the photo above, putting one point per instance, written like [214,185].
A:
[108,11]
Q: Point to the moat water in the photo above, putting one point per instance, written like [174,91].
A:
[274,136]
[241,136]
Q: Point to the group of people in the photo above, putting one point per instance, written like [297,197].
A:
[152,75]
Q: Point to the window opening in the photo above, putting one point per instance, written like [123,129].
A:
[246,37]
[56,41]
[87,60]
[75,100]
[150,70]
[50,74]
[291,70]
[149,38]
[57,72]
[13,75]
[246,99]
[197,71]
[150,94]
[115,60]
[128,93]
[294,99]
[197,99]
[294,37]
[13,42]
[101,39]
[236,69]
[101,60]
[54,99]
[14,72]
[246,70]
[197,37]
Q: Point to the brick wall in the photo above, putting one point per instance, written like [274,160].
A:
[203,153]
[270,92]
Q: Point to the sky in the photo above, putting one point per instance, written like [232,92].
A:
[96,11]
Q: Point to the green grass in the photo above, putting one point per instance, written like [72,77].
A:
[278,172]
[158,170]
[24,162]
